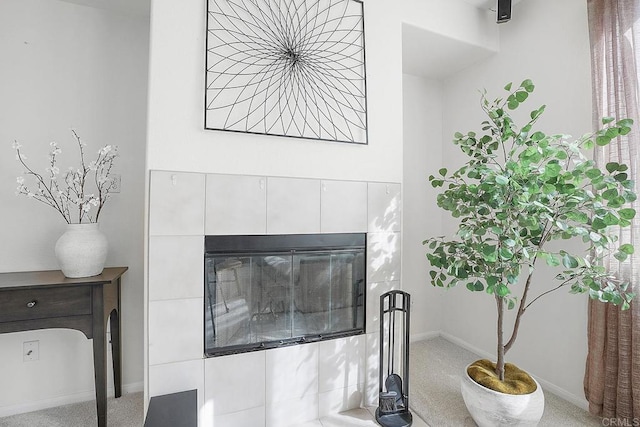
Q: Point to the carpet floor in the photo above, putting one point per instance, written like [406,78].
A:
[434,389]
[434,396]
[125,411]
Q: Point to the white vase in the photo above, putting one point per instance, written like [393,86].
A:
[81,250]
[490,408]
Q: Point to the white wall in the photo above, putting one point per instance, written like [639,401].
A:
[67,66]
[422,106]
[548,42]
[177,139]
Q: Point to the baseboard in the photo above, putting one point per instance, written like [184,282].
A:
[579,401]
[424,336]
[37,405]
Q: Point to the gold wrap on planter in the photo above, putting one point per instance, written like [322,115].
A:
[516,381]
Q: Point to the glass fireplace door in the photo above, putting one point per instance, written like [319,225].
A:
[268,299]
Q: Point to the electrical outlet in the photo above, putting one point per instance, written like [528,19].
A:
[115,184]
[30,351]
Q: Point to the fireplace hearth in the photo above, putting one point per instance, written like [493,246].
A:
[270,291]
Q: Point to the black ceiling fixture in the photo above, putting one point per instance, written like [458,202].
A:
[504,11]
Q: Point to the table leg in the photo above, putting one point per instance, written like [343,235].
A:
[100,355]
[116,351]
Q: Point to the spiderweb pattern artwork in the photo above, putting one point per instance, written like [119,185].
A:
[287,67]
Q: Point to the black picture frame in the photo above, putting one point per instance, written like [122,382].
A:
[292,68]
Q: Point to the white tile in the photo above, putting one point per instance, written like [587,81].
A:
[292,372]
[340,400]
[176,203]
[383,257]
[236,204]
[341,363]
[176,267]
[254,417]
[293,205]
[292,412]
[175,377]
[343,206]
[175,330]
[374,291]
[372,380]
[235,383]
[384,207]
[358,417]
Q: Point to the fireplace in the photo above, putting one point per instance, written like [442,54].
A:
[269,291]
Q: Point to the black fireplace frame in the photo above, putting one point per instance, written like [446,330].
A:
[215,245]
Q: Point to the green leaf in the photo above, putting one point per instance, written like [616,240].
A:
[620,177]
[442,171]
[537,136]
[552,260]
[595,237]
[627,213]
[527,85]
[606,120]
[612,166]
[610,219]
[578,216]
[593,173]
[602,140]
[620,256]
[552,169]
[502,290]
[501,180]
[612,133]
[537,113]
[627,249]
[508,86]
[625,123]
[610,194]
[569,262]
[521,96]
[512,103]
[505,253]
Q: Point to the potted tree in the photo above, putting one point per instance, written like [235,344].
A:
[519,190]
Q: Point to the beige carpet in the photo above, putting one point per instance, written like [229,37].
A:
[434,389]
[434,396]
[125,411]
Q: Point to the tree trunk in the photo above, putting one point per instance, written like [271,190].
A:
[500,362]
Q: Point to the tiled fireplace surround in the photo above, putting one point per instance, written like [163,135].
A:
[272,388]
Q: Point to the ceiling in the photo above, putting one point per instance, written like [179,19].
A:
[127,7]
[432,55]
[482,4]
[487,4]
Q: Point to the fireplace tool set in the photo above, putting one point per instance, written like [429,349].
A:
[393,398]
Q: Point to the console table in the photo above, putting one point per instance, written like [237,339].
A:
[32,300]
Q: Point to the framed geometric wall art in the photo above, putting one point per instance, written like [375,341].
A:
[292,68]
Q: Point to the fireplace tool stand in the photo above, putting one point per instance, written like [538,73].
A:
[393,398]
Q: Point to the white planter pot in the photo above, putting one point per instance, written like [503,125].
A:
[490,408]
[81,250]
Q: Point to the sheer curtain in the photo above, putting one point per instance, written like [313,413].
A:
[612,377]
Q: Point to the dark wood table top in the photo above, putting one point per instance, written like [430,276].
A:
[25,279]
